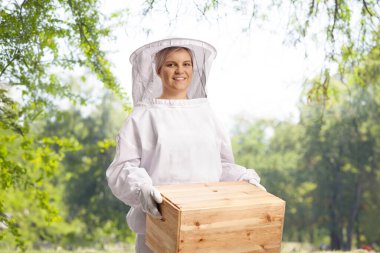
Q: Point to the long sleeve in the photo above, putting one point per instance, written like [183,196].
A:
[124,175]
[230,170]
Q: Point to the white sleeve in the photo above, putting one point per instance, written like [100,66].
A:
[230,170]
[124,175]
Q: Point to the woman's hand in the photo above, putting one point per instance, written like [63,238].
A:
[149,198]
[254,182]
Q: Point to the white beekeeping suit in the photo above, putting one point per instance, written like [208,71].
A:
[170,141]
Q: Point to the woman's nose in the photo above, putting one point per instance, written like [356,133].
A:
[179,69]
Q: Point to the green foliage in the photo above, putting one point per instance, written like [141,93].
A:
[274,150]
[23,177]
[326,166]
[340,156]
[67,202]
[86,193]
[40,41]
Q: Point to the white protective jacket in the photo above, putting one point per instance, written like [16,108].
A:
[170,141]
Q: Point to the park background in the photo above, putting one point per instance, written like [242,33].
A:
[296,82]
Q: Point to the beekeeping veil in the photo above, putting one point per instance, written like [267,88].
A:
[147,84]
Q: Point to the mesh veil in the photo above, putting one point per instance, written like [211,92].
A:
[147,84]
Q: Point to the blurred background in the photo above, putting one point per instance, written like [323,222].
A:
[297,83]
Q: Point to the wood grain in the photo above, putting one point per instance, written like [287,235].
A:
[163,234]
[217,217]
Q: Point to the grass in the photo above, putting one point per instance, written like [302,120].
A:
[65,251]
[296,247]
[114,249]
[287,247]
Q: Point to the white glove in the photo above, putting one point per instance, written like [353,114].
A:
[149,198]
[254,182]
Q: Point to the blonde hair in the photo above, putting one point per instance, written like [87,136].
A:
[161,55]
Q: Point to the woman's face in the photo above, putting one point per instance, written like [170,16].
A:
[176,74]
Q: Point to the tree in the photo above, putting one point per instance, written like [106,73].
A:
[341,150]
[86,193]
[274,150]
[327,166]
[40,41]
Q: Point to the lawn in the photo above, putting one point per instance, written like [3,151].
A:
[287,247]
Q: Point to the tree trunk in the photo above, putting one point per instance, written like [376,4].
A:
[336,234]
[336,228]
[354,213]
[357,232]
[311,234]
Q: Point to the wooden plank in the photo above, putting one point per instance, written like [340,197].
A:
[210,195]
[255,239]
[194,186]
[162,235]
[231,216]
[188,189]
[217,203]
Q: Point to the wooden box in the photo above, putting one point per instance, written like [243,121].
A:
[216,217]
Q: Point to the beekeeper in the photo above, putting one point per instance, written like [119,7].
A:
[172,136]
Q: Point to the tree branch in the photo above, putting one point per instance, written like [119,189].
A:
[20,12]
[335,18]
[150,7]
[366,8]
[200,10]
[252,15]
[10,62]
[84,38]
[17,50]
[311,7]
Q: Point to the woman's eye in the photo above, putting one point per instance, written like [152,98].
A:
[187,64]
[170,65]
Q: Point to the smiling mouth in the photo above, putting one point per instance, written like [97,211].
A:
[179,78]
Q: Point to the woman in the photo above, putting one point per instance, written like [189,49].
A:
[172,135]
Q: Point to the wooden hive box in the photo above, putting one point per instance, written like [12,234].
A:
[216,217]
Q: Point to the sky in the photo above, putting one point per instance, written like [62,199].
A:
[254,74]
